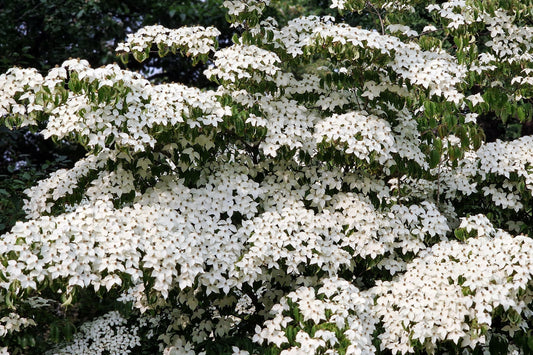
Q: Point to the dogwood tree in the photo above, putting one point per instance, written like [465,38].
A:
[333,194]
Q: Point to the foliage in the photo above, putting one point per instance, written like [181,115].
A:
[330,192]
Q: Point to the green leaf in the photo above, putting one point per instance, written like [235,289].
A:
[434,158]
[476,140]
[463,136]
[74,85]
[69,330]
[270,35]
[438,144]
[140,56]
[9,300]
[162,49]
[429,108]
[290,332]
[55,332]
[460,234]
[239,126]
[66,299]
[521,114]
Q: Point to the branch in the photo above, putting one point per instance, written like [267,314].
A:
[368,3]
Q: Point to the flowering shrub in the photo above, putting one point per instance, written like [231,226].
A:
[350,209]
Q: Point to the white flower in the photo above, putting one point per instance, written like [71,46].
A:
[475,99]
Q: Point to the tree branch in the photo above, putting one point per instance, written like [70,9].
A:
[376,11]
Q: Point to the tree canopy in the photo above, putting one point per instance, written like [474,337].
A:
[330,191]
[42,34]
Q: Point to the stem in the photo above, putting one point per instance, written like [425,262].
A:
[376,11]
[357,99]
[438,185]
[399,189]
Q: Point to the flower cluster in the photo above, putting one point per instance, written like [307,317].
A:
[288,124]
[299,33]
[191,41]
[434,70]
[238,63]
[443,296]
[360,134]
[109,241]
[337,303]
[397,5]
[42,197]
[237,7]
[14,323]
[506,158]
[102,121]
[16,81]
[109,334]
[509,42]
[456,12]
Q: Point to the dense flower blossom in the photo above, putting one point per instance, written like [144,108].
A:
[444,296]
[235,62]
[107,334]
[319,211]
[192,41]
[358,133]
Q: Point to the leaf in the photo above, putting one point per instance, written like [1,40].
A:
[290,333]
[140,56]
[460,234]
[434,158]
[461,133]
[239,126]
[162,49]
[438,144]
[54,333]
[74,85]
[270,35]
[69,330]
[9,300]
[521,114]
[66,299]
[429,108]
